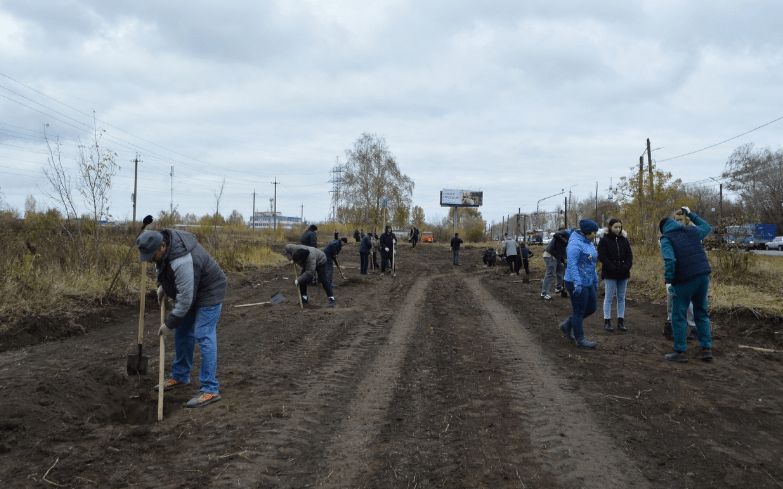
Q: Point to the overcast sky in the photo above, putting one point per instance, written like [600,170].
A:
[518,99]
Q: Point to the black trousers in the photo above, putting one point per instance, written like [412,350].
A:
[320,272]
[384,257]
[365,260]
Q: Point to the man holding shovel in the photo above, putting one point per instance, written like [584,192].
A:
[387,242]
[313,262]
[191,277]
[331,251]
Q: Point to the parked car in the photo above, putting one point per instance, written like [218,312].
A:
[775,244]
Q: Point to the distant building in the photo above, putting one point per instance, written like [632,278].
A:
[266,220]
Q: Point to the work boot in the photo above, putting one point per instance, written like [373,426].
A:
[608,325]
[621,325]
[332,302]
[565,327]
[584,343]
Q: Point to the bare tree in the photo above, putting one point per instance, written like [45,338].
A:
[371,174]
[218,194]
[97,167]
[757,176]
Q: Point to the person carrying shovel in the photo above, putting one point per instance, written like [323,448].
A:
[387,242]
[312,261]
[193,279]
[331,251]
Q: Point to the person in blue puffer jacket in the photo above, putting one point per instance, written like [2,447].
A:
[581,280]
[687,274]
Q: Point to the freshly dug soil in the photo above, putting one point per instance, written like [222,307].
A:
[442,376]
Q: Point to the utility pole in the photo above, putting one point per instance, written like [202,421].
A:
[519,211]
[650,168]
[565,212]
[135,178]
[253,216]
[172,191]
[641,177]
[596,202]
[274,211]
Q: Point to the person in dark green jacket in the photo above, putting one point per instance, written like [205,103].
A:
[687,274]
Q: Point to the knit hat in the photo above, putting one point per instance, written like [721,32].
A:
[148,243]
[344,240]
[313,227]
[587,226]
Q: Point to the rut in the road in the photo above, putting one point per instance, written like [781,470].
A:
[570,443]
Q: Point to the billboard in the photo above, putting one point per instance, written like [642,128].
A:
[461,198]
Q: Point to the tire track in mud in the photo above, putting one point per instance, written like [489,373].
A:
[331,376]
[570,443]
[348,454]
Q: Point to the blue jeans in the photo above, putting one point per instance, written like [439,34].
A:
[456,257]
[694,290]
[198,325]
[583,305]
[612,287]
[554,269]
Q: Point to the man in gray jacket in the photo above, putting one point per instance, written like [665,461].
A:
[312,261]
[193,279]
[510,250]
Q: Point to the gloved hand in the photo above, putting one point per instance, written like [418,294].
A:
[686,210]
[164,329]
[577,290]
[161,294]
[394,241]
[387,249]
[296,282]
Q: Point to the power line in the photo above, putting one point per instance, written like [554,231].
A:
[727,140]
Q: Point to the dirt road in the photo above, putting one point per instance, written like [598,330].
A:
[443,376]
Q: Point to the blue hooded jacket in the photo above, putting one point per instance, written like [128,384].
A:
[581,255]
[683,254]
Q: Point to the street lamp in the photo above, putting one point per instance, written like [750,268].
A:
[562,191]
[569,204]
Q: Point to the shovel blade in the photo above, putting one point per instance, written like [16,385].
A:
[137,364]
[277,298]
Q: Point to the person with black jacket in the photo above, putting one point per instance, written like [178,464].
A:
[356,235]
[555,257]
[387,242]
[365,248]
[331,251]
[455,242]
[414,237]
[309,238]
[616,257]
[313,262]
[489,257]
[525,253]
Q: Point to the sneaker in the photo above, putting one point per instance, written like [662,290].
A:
[304,300]
[706,355]
[202,399]
[546,296]
[393,274]
[583,343]
[381,274]
[693,335]
[567,331]
[332,302]
[676,357]
[170,383]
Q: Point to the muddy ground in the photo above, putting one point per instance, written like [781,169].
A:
[443,376]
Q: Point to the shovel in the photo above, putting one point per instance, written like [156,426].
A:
[275,299]
[137,364]
[298,292]
[162,364]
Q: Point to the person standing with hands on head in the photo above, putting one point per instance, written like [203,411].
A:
[680,217]
[365,248]
[312,261]
[555,257]
[455,242]
[581,280]
[687,274]
[387,242]
[616,257]
[510,250]
[192,278]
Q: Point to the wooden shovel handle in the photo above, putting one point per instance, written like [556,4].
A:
[298,292]
[142,293]
[162,366]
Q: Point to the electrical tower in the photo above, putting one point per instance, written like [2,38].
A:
[336,181]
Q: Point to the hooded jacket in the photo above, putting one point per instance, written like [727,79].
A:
[557,247]
[314,259]
[581,255]
[615,255]
[333,249]
[366,245]
[683,254]
[189,275]
[387,241]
